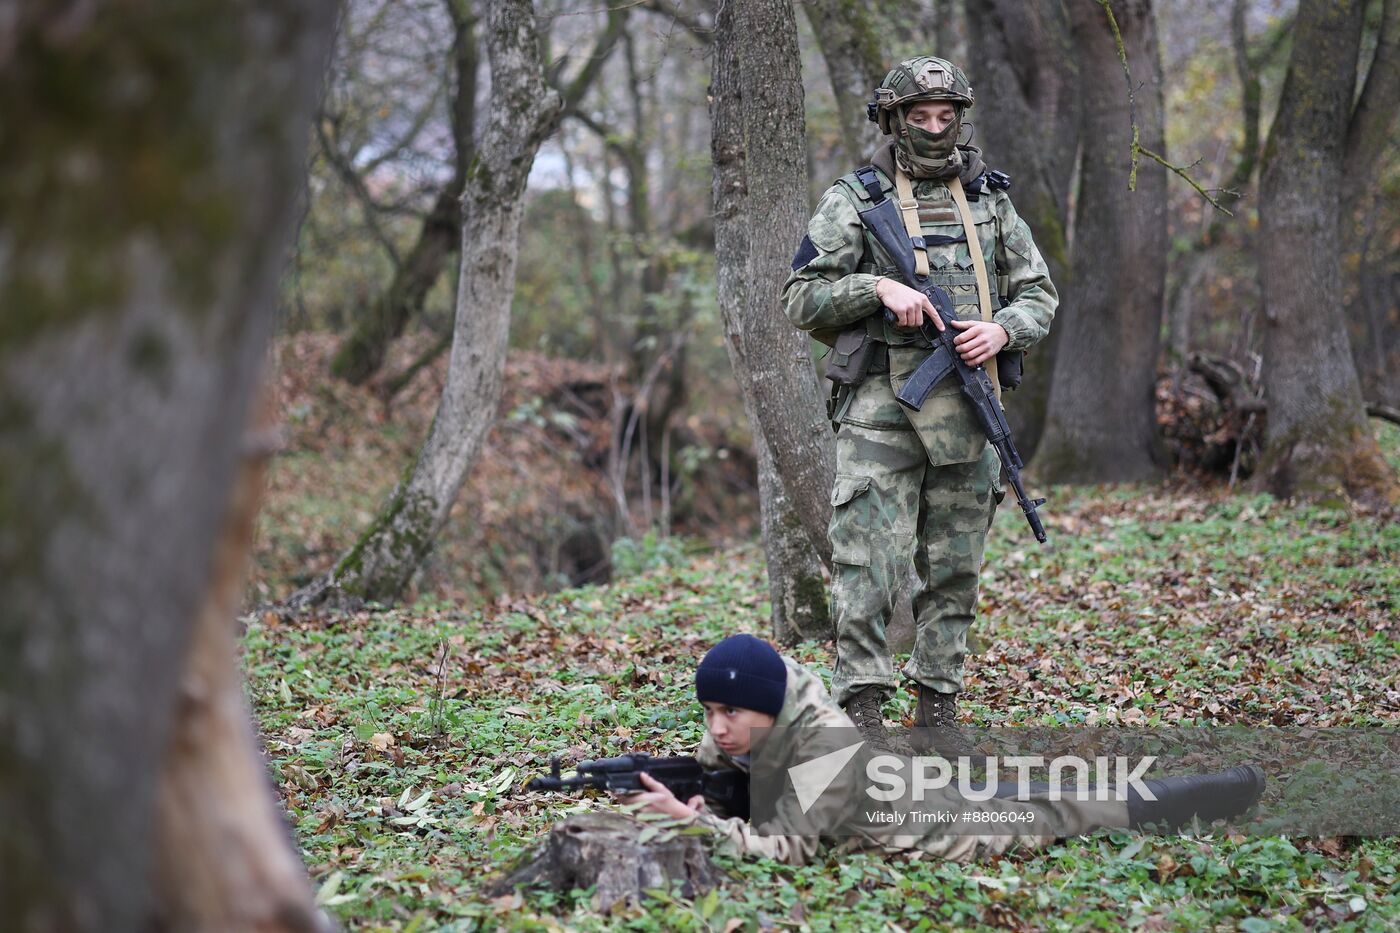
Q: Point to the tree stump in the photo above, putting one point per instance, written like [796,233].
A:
[620,856]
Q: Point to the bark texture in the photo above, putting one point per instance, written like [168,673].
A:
[777,358]
[224,859]
[606,850]
[1319,443]
[524,110]
[150,161]
[796,587]
[1024,71]
[1101,425]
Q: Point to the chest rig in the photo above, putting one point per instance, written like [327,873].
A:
[939,219]
[940,235]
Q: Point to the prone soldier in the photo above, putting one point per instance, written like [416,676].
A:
[752,695]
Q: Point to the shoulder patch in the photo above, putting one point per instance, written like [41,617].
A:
[806,252]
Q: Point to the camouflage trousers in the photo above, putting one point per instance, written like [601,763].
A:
[897,505]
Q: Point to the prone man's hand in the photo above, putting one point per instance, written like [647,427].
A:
[657,798]
[909,306]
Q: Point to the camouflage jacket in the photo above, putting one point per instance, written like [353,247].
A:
[833,281]
[807,704]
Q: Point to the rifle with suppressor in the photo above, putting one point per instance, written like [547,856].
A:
[726,790]
[885,224]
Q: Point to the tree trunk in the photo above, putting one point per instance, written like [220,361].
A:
[1101,425]
[1026,74]
[144,231]
[796,587]
[362,353]
[777,358]
[524,110]
[1319,443]
[222,856]
[1374,347]
[850,42]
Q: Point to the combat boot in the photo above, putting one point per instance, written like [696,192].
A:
[1204,796]
[865,711]
[936,726]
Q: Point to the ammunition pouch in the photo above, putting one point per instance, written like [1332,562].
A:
[1010,368]
[851,357]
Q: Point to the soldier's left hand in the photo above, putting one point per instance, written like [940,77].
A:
[979,341]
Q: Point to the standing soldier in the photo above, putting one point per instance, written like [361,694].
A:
[914,484]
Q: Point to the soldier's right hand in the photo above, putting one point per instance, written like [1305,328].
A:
[908,305]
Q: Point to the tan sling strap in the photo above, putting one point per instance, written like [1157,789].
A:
[979,266]
[909,210]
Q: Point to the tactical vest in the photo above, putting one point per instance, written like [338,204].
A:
[949,258]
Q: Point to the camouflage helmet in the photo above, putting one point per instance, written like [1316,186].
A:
[916,79]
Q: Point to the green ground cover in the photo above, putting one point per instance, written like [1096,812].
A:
[399,739]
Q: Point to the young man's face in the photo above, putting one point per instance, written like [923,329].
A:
[932,116]
[729,726]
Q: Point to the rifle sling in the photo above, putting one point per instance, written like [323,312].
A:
[909,210]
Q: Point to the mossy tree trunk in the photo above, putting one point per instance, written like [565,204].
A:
[796,587]
[1101,423]
[777,360]
[1025,73]
[1318,443]
[150,161]
[524,111]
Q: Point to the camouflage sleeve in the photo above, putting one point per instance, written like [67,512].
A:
[739,838]
[824,290]
[1030,295]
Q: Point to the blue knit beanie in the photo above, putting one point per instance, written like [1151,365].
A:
[744,672]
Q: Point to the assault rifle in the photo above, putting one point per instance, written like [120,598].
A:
[884,222]
[726,790]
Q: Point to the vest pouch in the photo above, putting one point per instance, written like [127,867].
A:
[1011,366]
[850,359]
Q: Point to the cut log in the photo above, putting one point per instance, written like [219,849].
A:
[621,857]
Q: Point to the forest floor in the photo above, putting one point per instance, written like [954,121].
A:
[400,739]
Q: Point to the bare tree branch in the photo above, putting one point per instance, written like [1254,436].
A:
[349,177]
[1137,148]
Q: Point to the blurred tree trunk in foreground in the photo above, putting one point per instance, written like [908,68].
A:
[796,587]
[1101,425]
[524,111]
[1025,74]
[1318,442]
[150,160]
[777,365]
